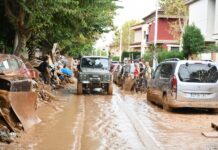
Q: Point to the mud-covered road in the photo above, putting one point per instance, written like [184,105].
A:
[119,122]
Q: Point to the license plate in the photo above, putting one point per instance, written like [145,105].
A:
[198,95]
[95,76]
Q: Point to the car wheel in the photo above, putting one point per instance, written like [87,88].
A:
[110,89]
[79,88]
[165,105]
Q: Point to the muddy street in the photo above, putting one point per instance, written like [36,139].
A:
[121,121]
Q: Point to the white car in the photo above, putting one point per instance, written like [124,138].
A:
[184,83]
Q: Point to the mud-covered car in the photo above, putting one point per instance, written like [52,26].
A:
[184,83]
[16,93]
[94,74]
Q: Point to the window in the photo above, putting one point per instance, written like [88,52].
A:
[14,65]
[95,63]
[174,48]
[166,71]
[157,73]
[199,73]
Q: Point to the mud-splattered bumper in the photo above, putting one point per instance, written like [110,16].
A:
[193,103]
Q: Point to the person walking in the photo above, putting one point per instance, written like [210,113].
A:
[147,71]
[136,77]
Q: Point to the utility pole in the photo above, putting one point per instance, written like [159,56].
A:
[155,35]
[121,38]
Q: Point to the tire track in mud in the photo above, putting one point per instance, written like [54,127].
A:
[79,125]
[111,127]
[148,141]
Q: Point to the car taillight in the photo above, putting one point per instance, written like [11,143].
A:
[174,83]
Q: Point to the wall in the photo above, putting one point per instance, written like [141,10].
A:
[138,36]
[211,19]
[163,30]
[198,15]
[216,22]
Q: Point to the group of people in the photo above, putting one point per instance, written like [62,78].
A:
[58,72]
[140,72]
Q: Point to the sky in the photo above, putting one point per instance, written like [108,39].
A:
[132,9]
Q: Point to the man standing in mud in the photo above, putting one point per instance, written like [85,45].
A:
[44,69]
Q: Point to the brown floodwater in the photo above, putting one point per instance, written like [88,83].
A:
[124,121]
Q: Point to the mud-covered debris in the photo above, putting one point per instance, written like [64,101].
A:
[214,125]
[128,84]
[6,135]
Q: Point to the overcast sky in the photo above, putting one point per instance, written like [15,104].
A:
[132,9]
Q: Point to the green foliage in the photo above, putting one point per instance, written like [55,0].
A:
[174,7]
[193,40]
[131,55]
[172,54]
[148,57]
[7,31]
[127,34]
[161,56]
[211,48]
[74,24]
[115,58]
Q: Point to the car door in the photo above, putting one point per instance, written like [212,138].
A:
[153,88]
[164,82]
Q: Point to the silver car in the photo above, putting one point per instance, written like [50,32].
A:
[184,83]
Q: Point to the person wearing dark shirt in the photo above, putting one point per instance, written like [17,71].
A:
[44,69]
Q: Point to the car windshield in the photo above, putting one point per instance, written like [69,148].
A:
[102,63]
[200,73]
[9,66]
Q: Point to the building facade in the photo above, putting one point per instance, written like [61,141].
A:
[204,14]
[139,41]
[165,37]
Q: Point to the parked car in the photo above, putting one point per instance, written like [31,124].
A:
[117,74]
[184,83]
[94,73]
[16,96]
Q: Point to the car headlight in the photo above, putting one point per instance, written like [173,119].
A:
[83,77]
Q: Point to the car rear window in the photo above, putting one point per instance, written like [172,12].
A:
[199,73]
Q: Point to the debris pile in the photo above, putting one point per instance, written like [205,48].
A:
[22,91]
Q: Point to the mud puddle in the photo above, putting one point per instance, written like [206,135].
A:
[180,129]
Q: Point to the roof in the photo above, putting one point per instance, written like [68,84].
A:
[188,2]
[137,26]
[161,14]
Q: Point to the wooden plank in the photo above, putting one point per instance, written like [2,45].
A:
[212,134]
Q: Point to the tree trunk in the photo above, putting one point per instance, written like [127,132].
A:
[21,44]
[15,41]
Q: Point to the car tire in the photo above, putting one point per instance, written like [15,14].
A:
[79,88]
[110,89]
[165,105]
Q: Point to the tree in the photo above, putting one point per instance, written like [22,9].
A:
[127,34]
[45,22]
[179,9]
[193,41]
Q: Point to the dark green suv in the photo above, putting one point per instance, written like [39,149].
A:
[94,74]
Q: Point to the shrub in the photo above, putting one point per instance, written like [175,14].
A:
[135,55]
[193,41]
[172,54]
[115,58]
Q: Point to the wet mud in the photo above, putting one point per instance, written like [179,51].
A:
[123,121]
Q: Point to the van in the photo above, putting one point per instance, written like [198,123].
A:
[184,83]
